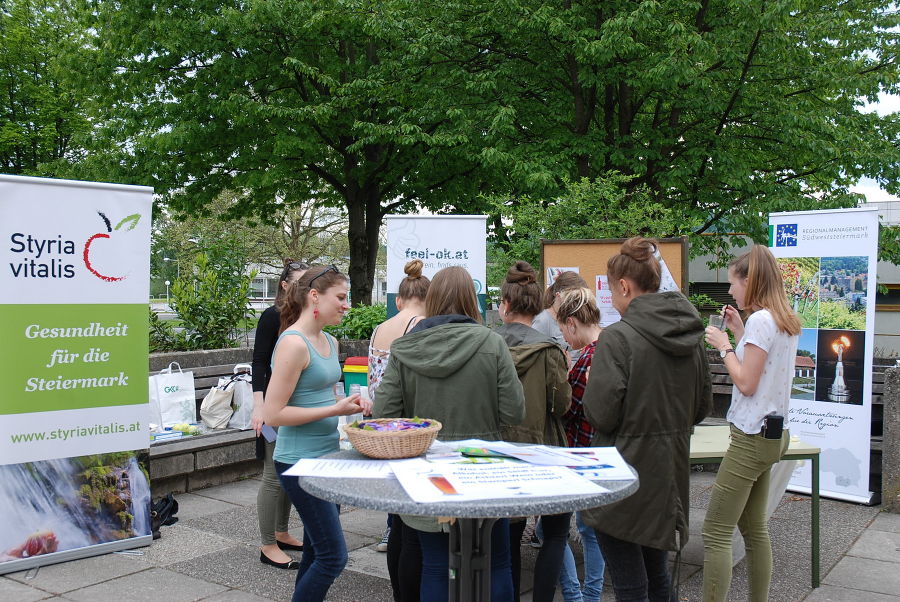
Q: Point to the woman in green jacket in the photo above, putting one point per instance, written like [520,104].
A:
[454,370]
[649,384]
[542,367]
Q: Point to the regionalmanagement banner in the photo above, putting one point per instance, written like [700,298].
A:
[828,260]
[74,285]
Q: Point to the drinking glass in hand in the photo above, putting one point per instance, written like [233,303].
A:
[717,321]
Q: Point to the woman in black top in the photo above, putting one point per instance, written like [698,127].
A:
[272,503]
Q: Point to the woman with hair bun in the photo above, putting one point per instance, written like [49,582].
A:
[541,366]
[762,368]
[300,400]
[579,321]
[649,385]
[546,321]
[404,557]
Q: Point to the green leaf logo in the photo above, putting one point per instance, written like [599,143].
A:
[130,221]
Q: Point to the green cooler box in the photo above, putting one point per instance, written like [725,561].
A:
[356,372]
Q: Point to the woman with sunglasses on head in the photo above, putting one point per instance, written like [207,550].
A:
[649,384]
[542,366]
[579,321]
[762,368]
[454,370]
[272,503]
[300,400]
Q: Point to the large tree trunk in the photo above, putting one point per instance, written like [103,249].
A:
[360,283]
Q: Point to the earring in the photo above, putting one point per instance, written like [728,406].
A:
[316,310]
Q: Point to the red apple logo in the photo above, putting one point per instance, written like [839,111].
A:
[126,224]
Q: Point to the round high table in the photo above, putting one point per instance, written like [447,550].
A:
[470,534]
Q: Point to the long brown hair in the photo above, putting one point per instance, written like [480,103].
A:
[319,277]
[765,287]
[415,285]
[452,291]
[521,291]
[635,262]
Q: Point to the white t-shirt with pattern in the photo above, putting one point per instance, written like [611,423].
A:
[774,391]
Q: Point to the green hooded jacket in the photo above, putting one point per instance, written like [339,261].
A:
[457,372]
[649,385]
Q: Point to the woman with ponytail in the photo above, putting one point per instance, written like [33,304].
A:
[648,386]
[762,369]
[272,503]
[300,400]
[541,365]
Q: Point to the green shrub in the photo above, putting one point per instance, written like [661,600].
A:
[359,322]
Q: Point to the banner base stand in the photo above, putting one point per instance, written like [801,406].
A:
[866,500]
[24,564]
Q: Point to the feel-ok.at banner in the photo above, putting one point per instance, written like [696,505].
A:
[74,284]
[828,261]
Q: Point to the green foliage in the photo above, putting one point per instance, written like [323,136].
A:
[599,208]
[837,316]
[359,322]
[212,297]
[162,335]
[42,110]
[703,301]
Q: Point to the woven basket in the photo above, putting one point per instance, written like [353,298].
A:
[391,445]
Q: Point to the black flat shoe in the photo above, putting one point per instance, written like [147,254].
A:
[289,546]
[290,564]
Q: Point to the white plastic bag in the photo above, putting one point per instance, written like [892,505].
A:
[242,400]
[172,397]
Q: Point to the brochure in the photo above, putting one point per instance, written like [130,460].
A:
[323,467]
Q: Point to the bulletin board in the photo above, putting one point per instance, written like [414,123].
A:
[590,257]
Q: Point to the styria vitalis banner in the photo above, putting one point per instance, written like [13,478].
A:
[74,287]
[828,260]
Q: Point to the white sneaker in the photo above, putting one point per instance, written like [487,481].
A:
[382,545]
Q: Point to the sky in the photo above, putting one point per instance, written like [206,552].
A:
[887,104]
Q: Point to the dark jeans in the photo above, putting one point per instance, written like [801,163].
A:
[548,563]
[638,573]
[324,549]
[404,560]
[436,564]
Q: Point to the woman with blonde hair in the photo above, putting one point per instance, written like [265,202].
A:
[762,368]
[453,369]
[649,385]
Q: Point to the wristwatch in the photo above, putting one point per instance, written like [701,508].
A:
[725,352]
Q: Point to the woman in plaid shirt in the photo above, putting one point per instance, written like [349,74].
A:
[579,319]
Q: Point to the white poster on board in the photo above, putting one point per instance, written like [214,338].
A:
[440,241]
[74,288]
[608,313]
[828,260]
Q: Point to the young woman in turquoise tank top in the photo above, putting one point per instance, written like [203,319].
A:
[300,400]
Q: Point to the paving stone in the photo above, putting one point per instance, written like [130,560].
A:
[241,493]
[235,595]
[76,574]
[239,523]
[12,590]
[885,521]
[239,567]
[369,561]
[828,593]
[370,523]
[865,574]
[151,585]
[192,506]
[184,543]
[357,587]
[880,545]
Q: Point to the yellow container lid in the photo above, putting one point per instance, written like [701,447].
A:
[360,369]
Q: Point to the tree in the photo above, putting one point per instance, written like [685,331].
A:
[42,110]
[342,102]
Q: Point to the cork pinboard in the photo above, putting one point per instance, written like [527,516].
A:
[590,257]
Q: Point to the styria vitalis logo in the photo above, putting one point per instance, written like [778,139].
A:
[786,235]
[95,249]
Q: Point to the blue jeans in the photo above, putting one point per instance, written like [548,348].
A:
[594,565]
[324,549]
[436,564]
[638,573]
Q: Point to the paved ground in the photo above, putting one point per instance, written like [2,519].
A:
[211,554]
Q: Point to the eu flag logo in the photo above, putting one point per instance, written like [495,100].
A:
[786,235]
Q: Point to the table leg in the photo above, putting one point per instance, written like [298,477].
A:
[815,521]
[470,559]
